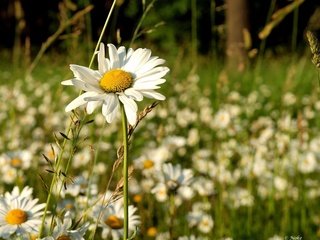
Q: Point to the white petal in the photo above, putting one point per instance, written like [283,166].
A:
[153,62]
[113,55]
[137,60]
[153,74]
[140,87]
[67,82]
[145,85]
[130,108]
[86,86]
[79,101]
[129,54]
[122,56]
[146,81]
[85,74]
[153,94]
[136,95]
[110,117]
[99,97]
[91,106]
[102,63]
[109,104]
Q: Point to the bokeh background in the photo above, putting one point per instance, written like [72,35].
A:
[241,114]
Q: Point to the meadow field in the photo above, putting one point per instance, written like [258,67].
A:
[226,155]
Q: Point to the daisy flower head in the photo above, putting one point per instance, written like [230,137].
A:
[63,230]
[125,77]
[19,215]
[112,222]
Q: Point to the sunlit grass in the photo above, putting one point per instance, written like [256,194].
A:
[170,130]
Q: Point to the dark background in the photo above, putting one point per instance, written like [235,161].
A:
[42,19]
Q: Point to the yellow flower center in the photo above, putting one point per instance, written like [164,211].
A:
[63,237]
[16,217]
[116,80]
[137,198]
[147,164]
[69,206]
[114,222]
[152,232]
[34,237]
[16,162]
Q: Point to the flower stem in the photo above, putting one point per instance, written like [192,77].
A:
[125,172]
[102,32]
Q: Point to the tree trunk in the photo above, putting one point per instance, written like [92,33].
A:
[237,24]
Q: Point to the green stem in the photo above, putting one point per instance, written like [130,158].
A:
[295,30]
[125,172]
[136,31]
[172,210]
[54,180]
[102,32]
[194,31]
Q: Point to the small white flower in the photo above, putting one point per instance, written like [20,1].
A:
[160,192]
[175,176]
[206,223]
[222,119]
[112,219]
[201,220]
[204,186]
[19,214]
[125,77]
[174,180]
[63,230]
[280,183]
[307,163]
[18,159]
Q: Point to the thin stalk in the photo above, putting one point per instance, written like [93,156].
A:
[54,179]
[172,212]
[102,32]
[125,172]
[213,21]
[264,41]
[194,31]
[295,30]
[136,31]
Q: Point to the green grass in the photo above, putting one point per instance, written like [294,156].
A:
[267,217]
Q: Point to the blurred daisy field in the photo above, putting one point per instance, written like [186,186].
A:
[216,149]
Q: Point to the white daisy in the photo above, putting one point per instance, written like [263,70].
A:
[124,77]
[19,214]
[112,219]
[173,180]
[176,177]
[63,230]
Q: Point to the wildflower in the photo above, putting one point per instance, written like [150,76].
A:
[201,220]
[19,214]
[126,77]
[222,119]
[174,180]
[280,183]
[160,192]
[307,163]
[204,186]
[63,230]
[112,219]
[18,159]
[152,160]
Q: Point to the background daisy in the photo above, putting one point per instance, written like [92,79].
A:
[19,215]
